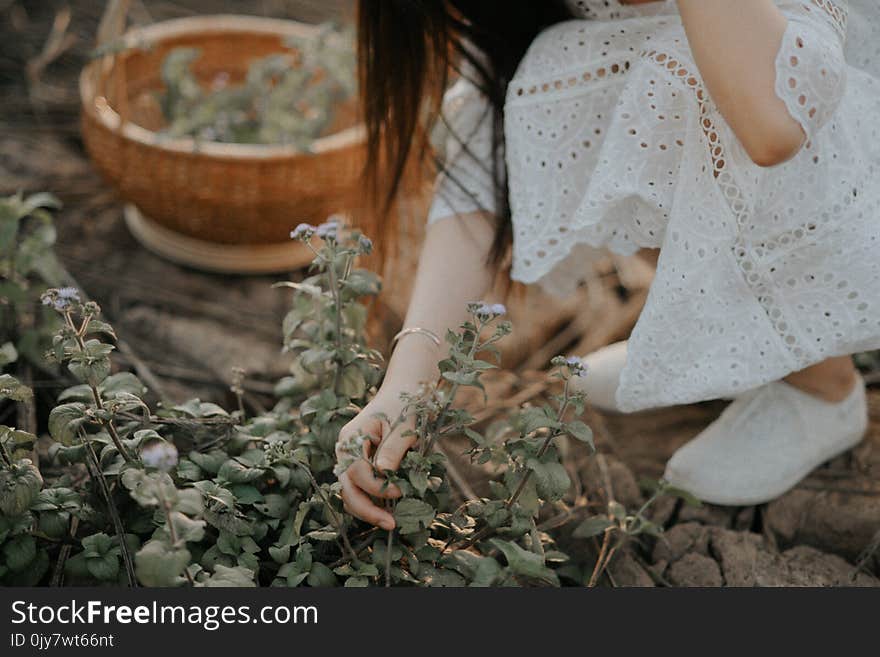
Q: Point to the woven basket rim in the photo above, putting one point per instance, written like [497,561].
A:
[100,110]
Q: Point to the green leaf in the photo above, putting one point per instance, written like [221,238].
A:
[231,577]
[688,498]
[12,388]
[79,393]
[104,568]
[57,498]
[531,419]
[362,570]
[617,511]
[20,551]
[54,524]
[419,479]
[96,326]
[524,562]
[188,471]
[481,571]
[352,383]
[122,382]
[33,574]
[237,473]
[362,282]
[8,354]
[551,479]
[158,564]
[321,575]
[216,493]
[294,579]
[440,577]
[580,431]
[197,408]
[10,526]
[92,364]
[20,485]
[246,493]
[209,462]
[280,554]
[326,534]
[412,515]
[593,526]
[15,441]
[97,545]
[274,506]
[65,420]
[185,528]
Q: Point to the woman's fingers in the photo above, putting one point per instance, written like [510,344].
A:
[358,504]
[359,481]
[392,450]
[362,475]
[370,427]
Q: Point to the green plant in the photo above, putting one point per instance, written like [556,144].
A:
[288,98]
[254,500]
[27,267]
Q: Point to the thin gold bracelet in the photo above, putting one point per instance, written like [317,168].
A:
[433,337]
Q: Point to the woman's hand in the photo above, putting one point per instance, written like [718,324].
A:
[453,270]
[359,481]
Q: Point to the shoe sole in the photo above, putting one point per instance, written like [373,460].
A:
[831,453]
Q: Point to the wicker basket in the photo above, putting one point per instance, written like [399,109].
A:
[232,205]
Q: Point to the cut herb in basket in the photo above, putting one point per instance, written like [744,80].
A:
[286,98]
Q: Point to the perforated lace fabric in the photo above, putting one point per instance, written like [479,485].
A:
[613,142]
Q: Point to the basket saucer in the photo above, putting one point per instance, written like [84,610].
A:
[210,256]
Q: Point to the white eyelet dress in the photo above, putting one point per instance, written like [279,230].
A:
[611,141]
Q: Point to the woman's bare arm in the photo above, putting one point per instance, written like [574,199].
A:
[735,45]
[453,271]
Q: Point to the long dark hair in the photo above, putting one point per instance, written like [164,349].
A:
[407,50]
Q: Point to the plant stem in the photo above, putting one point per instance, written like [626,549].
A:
[111,508]
[453,391]
[7,460]
[363,545]
[544,447]
[656,494]
[604,558]
[388,547]
[338,523]
[64,554]
[528,473]
[337,316]
[488,531]
[111,428]
[171,531]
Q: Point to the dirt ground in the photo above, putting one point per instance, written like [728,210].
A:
[191,328]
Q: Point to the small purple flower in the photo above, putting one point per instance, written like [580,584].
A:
[160,455]
[366,244]
[302,232]
[576,365]
[60,298]
[486,311]
[68,293]
[329,229]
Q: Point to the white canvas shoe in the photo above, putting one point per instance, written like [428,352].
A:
[602,379]
[765,442]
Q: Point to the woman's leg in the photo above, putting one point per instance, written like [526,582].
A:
[606,364]
[831,380]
